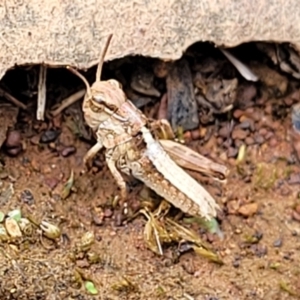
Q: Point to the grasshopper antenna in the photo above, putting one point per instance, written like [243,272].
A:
[101,61]
[88,88]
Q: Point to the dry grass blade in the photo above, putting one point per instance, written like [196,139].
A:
[208,254]
[241,67]
[41,101]
[179,233]
[68,186]
[189,159]
[154,233]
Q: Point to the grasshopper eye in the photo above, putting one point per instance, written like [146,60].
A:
[99,98]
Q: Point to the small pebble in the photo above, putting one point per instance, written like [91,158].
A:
[277,243]
[294,178]
[219,141]
[13,139]
[98,220]
[27,197]
[67,151]
[259,139]
[52,182]
[236,262]
[246,93]
[238,133]
[35,140]
[238,113]
[232,207]
[238,143]
[269,135]
[259,250]
[263,131]
[249,140]
[248,209]
[224,132]
[195,134]
[108,213]
[232,152]
[247,124]
[273,142]
[49,136]
[256,115]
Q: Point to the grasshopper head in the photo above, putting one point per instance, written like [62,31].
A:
[108,93]
[103,98]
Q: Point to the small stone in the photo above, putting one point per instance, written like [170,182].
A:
[256,115]
[294,178]
[277,243]
[247,124]
[27,197]
[49,136]
[35,165]
[83,263]
[236,262]
[12,228]
[13,139]
[108,213]
[98,220]
[232,152]
[268,135]
[35,140]
[246,93]
[239,134]
[238,143]
[219,141]
[249,209]
[259,139]
[238,113]
[262,131]
[52,182]
[224,132]
[67,151]
[232,207]
[249,140]
[259,250]
[273,142]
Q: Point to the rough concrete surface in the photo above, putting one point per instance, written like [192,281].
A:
[73,31]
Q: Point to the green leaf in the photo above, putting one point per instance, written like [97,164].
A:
[15,214]
[91,288]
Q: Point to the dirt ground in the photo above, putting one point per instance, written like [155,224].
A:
[259,217]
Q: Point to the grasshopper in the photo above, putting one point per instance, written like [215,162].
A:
[131,148]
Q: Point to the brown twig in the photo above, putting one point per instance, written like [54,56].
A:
[67,102]
[12,99]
